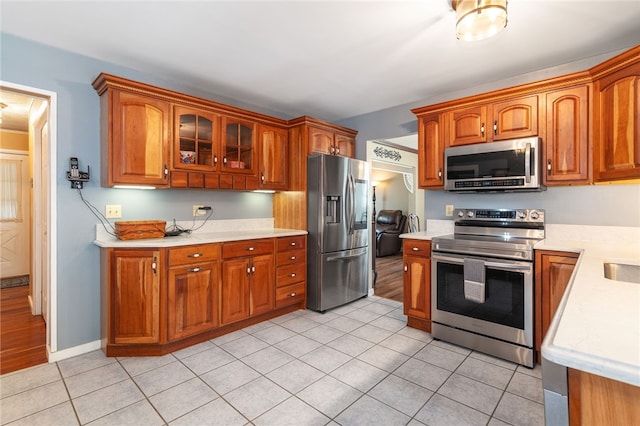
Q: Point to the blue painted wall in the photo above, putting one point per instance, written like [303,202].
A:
[78,135]
[610,205]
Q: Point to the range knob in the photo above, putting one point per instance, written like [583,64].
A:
[460,213]
[522,214]
[535,215]
[470,213]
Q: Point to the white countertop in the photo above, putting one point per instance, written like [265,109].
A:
[597,325]
[215,231]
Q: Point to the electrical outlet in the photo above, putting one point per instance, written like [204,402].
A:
[448,211]
[113,211]
[197,212]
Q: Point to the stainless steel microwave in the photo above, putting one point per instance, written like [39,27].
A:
[511,165]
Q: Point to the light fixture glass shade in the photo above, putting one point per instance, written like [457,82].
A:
[479,19]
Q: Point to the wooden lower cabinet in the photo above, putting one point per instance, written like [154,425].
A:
[417,283]
[553,271]
[192,290]
[596,400]
[248,279]
[133,296]
[158,300]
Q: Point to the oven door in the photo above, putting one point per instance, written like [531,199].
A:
[498,305]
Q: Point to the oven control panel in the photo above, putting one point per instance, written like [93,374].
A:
[503,215]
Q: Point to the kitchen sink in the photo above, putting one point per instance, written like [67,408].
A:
[622,272]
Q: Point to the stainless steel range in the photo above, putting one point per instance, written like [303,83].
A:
[482,282]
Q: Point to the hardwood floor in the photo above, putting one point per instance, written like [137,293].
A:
[389,281]
[22,335]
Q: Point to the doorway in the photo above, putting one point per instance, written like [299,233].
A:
[27,153]
[394,164]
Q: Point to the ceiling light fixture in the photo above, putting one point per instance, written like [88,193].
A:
[479,19]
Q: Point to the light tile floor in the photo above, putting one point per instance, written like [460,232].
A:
[355,365]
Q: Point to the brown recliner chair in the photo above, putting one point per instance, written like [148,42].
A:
[389,225]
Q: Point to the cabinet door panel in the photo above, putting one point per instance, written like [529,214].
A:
[567,143]
[262,293]
[192,300]
[238,146]
[345,145]
[139,149]
[135,296]
[431,144]
[195,139]
[273,158]
[617,141]
[234,296]
[468,126]
[320,141]
[516,118]
[417,292]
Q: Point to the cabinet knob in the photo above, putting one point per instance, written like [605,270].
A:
[224,160]
[416,248]
[166,171]
[440,174]
[193,255]
[337,150]
[482,129]
[262,177]
[549,167]
[495,127]
[292,294]
[293,243]
[193,270]
[215,160]
[253,269]
[406,268]
[251,248]
[154,265]
[292,258]
[248,271]
[293,275]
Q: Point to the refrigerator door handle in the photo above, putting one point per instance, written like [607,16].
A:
[347,257]
[351,208]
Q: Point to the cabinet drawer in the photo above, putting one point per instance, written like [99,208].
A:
[291,243]
[291,274]
[417,248]
[247,248]
[193,254]
[290,294]
[291,257]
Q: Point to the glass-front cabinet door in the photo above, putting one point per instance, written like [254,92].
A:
[195,139]
[238,146]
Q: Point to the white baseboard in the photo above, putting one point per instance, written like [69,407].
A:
[71,352]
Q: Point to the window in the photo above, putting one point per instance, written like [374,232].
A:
[10,191]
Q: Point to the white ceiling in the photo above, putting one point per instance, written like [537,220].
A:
[329,59]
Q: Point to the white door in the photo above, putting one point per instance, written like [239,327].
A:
[15,213]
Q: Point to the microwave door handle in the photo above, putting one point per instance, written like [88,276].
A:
[527,163]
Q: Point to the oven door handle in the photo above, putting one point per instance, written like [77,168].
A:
[509,266]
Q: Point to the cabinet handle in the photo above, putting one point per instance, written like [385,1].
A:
[292,295]
[332,150]
[495,127]
[337,150]
[253,269]
[406,268]
[416,248]
[482,129]
[215,160]
[549,167]
[292,258]
[440,174]
[166,171]
[262,177]
[251,248]
[154,265]
[293,244]
[194,255]
[224,160]
[248,270]
[293,275]
[193,270]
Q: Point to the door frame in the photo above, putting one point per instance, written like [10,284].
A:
[47,184]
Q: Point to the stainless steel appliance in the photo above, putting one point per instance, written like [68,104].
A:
[512,165]
[338,253]
[482,282]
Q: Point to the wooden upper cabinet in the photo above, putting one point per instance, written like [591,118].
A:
[566,136]
[514,118]
[617,123]
[195,139]
[431,144]
[509,119]
[467,126]
[135,134]
[238,146]
[273,164]
[327,141]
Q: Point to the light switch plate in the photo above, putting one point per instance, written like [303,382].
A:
[448,211]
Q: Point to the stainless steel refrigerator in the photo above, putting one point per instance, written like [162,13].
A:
[337,256]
